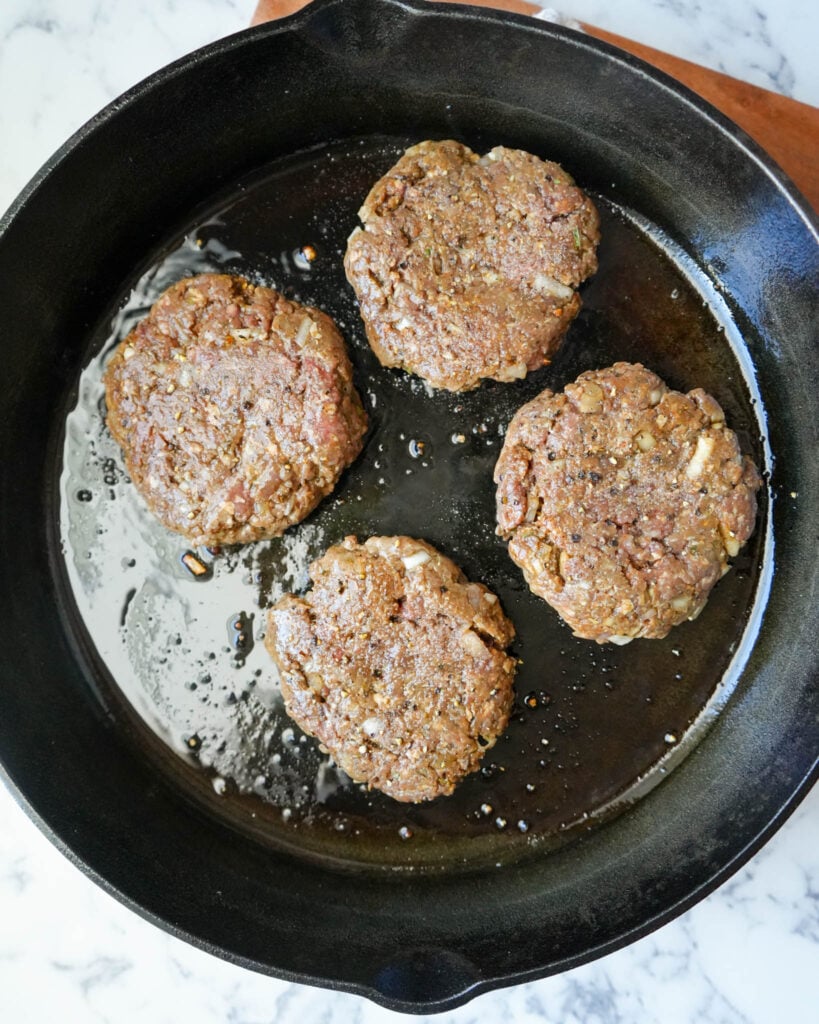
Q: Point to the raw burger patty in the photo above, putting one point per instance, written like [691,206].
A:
[235,409]
[396,663]
[622,501]
[467,266]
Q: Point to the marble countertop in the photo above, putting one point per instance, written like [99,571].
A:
[748,954]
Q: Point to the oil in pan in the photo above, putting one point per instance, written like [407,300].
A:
[179,629]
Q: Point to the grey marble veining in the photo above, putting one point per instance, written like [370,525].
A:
[772,45]
[71,953]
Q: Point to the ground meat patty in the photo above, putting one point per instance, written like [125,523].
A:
[396,663]
[622,501]
[467,266]
[235,409]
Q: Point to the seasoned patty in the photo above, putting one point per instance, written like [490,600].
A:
[623,501]
[235,409]
[396,663]
[467,267]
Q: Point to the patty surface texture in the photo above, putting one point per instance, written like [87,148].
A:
[396,663]
[623,501]
[467,267]
[235,409]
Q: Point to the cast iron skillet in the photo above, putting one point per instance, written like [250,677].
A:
[426,940]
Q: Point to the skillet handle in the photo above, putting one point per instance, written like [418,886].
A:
[269,10]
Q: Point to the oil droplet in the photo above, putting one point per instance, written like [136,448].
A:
[523,826]
[219,785]
[304,257]
[486,809]
[240,634]
[109,469]
[670,737]
[500,822]
[84,495]
[417,448]
[404,832]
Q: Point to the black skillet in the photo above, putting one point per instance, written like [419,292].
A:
[269,140]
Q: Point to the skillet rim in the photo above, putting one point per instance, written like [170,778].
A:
[294,22]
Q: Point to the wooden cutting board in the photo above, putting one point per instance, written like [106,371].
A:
[787,129]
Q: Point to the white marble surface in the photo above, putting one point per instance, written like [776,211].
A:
[749,954]
[771,43]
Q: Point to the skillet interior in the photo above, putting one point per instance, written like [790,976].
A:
[412,943]
[602,719]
